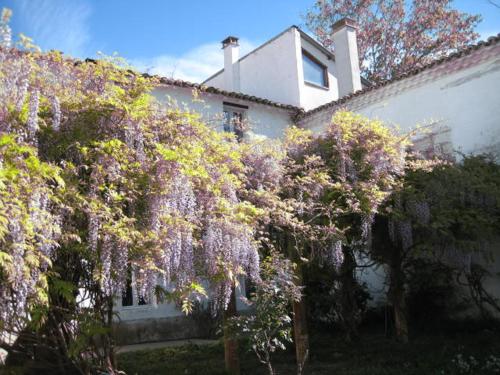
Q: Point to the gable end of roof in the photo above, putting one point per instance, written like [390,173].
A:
[303,34]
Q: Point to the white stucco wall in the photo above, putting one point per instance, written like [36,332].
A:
[166,310]
[217,81]
[271,71]
[466,100]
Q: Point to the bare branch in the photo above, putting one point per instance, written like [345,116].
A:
[493,3]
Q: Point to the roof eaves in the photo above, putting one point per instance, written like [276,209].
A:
[317,44]
[231,94]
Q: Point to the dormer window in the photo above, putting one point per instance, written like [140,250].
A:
[315,72]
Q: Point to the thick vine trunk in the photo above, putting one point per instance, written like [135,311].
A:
[231,356]
[108,338]
[300,331]
[349,306]
[397,298]
[270,369]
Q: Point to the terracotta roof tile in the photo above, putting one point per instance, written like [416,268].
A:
[231,94]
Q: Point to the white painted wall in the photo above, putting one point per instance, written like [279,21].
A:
[231,67]
[166,310]
[270,71]
[467,101]
[346,52]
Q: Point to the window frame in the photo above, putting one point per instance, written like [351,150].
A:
[232,108]
[137,301]
[436,142]
[326,83]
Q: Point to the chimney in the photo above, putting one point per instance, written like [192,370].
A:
[231,65]
[346,56]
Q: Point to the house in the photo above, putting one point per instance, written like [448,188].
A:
[293,80]
[293,68]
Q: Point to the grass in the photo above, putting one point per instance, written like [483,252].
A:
[374,355]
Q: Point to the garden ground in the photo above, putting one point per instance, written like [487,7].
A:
[431,353]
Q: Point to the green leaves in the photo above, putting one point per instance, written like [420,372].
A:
[268,327]
[339,179]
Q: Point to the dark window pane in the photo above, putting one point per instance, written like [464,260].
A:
[313,72]
[226,121]
[127,293]
[250,288]
[238,124]
[233,121]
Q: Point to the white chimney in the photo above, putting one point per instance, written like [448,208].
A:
[231,65]
[346,56]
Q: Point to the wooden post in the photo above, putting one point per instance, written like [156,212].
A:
[349,306]
[231,356]
[300,332]
[301,336]
[397,297]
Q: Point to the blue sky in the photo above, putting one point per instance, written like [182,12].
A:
[173,38]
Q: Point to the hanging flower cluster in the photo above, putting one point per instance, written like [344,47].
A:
[340,179]
[29,228]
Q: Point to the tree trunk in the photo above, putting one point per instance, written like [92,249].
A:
[349,306]
[398,300]
[301,335]
[270,369]
[231,344]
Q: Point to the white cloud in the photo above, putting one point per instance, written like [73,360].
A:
[196,65]
[57,24]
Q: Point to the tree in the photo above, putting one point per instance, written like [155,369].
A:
[396,36]
[333,186]
[319,195]
[444,213]
[280,229]
[29,229]
[97,177]
[268,327]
